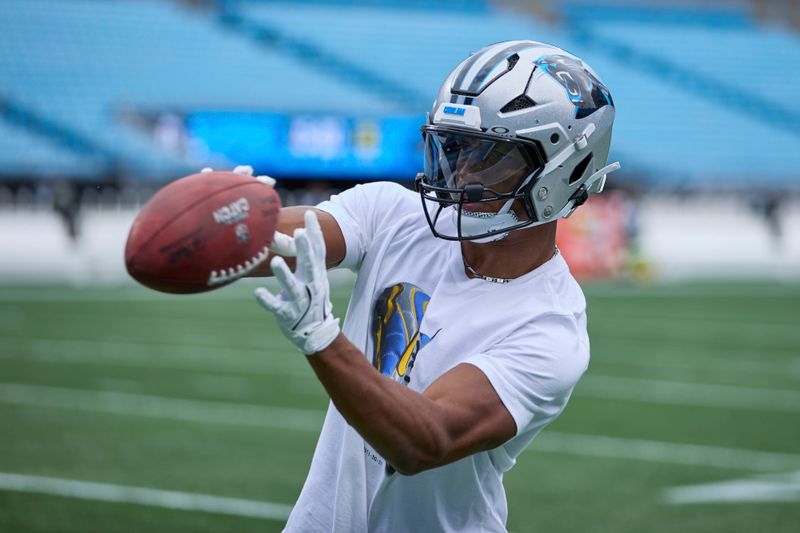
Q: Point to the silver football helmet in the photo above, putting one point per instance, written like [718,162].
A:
[518,136]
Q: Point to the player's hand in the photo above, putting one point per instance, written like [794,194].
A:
[282,244]
[303,307]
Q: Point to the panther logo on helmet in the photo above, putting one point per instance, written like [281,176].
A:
[583,88]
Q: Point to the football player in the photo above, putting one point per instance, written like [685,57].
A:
[465,334]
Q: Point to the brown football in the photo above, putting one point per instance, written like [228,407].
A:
[202,232]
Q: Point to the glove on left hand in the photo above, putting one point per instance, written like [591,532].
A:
[303,307]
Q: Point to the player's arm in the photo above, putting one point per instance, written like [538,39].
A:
[291,218]
[457,415]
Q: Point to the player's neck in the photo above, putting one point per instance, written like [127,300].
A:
[517,254]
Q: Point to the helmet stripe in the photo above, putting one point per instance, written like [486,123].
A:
[469,64]
[483,70]
[492,65]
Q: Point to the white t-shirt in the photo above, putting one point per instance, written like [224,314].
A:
[528,336]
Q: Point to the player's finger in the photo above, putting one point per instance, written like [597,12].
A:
[206,170]
[305,256]
[311,221]
[286,278]
[274,304]
[268,301]
[316,238]
[245,170]
[267,180]
[283,244]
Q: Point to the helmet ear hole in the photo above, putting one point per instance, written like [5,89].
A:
[580,169]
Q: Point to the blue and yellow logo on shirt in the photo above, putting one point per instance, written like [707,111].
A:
[396,331]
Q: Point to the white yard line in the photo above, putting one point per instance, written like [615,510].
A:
[341,286]
[281,360]
[168,499]
[123,403]
[252,361]
[100,345]
[676,327]
[783,366]
[684,292]
[269,361]
[689,394]
[311,420]
[663,452]
[782,488]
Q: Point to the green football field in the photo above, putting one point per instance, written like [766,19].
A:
[125,410]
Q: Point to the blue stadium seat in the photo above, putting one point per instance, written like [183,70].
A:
[760,61]
[24,153]
[412,47]
[679,139]
[84,63]
[89,66]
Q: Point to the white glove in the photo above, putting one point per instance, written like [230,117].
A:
[282,244]
[303,307]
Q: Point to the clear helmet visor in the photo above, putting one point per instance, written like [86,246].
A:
[480,179]
[454,160]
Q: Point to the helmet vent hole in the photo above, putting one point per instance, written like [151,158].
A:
[554,138]
[580,169]
[520,102]
[512,61]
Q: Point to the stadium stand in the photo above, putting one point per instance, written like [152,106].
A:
[408,48]
[705,65]
[727,51]
[24,152]
[96,60]
[695,91]
[695,141]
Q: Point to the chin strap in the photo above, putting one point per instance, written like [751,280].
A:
[593,185]
[473,223]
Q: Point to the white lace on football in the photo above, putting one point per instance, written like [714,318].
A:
[230,274]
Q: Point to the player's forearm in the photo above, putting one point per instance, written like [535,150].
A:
[402,425]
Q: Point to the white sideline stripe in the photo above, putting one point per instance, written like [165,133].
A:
[663,452]
[690,394]
[167,499]
[782,488]
[123,403]
[311,420]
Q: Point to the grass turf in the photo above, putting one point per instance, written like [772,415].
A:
[221,348]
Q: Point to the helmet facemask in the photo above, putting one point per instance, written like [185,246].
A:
[482,180]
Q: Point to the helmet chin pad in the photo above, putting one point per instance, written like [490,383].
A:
[473,223]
